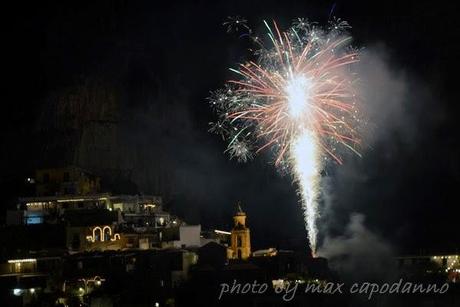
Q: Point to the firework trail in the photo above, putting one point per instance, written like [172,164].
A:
[295,99]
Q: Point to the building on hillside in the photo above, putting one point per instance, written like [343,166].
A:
[89,230]
[138,210]
[189,236]
[445,266]
[212,254]
[240,240]
[70,180]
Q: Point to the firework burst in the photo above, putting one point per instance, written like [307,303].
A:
[296,99]
[235,24]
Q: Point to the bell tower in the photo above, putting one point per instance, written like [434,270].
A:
[240,237]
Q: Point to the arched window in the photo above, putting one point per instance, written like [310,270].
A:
[107,233]
[97,234]
[239,241]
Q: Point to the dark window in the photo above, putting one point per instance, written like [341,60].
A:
[239,254]
[66,176]
[46,177]
[106,234]
[97,235]
[239,242]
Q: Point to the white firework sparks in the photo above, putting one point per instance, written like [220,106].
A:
[296,99]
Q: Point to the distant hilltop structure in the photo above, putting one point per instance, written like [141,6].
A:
[240,240]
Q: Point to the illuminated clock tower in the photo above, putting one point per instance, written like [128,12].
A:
[240,238]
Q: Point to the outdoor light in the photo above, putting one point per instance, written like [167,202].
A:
[22,260]
[18,292]
[81,291]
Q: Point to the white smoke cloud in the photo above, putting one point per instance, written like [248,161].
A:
[390,103]
[358,253]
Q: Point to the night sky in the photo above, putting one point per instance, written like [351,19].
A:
[163,58]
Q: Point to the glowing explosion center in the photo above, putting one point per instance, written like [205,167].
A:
[298,90]
[296,100]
